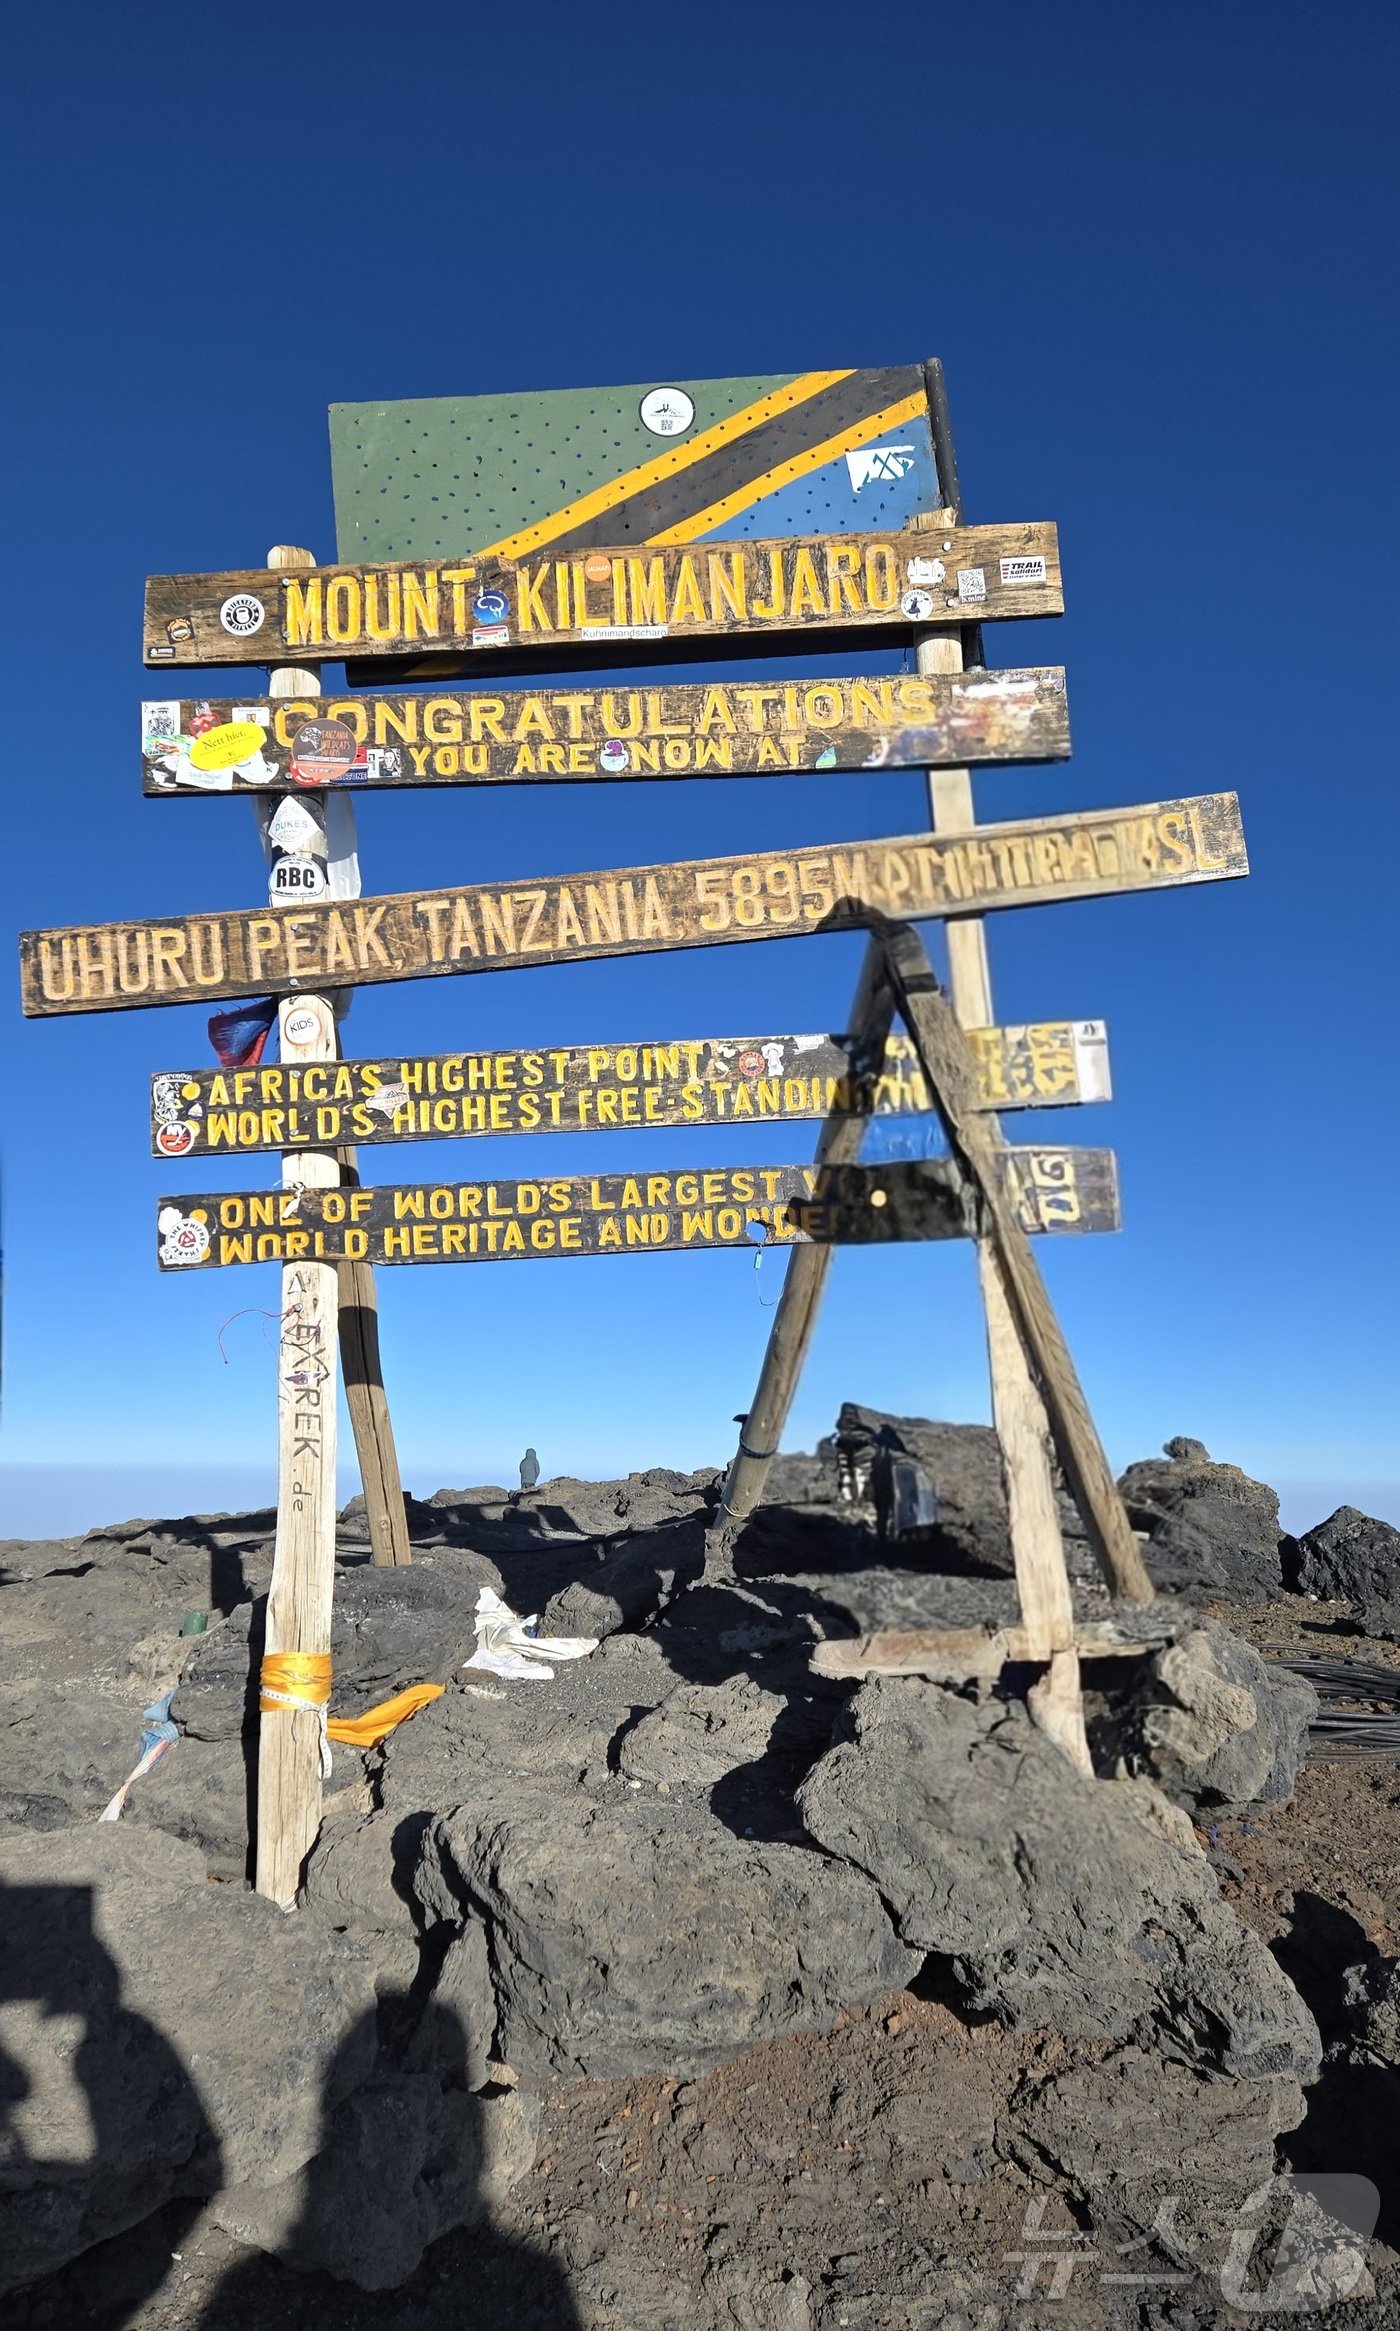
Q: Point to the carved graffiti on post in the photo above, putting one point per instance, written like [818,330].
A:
[467,1222]
[658,600]
[713,1080]
[563,735]
[638,910]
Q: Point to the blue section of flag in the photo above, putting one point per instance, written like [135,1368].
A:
[875,489]
[240,1035]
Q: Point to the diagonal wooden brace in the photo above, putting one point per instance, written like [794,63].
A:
[805,1278]
[948,1066]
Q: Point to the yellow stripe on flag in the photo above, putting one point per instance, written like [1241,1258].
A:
[801,465]
[668,465]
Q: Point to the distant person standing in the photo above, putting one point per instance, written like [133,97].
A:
[529,1470]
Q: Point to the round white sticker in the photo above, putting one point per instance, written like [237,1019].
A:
[300,878]
[917,605]
[667,412]
[242,614]
[300,1027]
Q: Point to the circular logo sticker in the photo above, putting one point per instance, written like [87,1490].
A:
[323,750]
[242,614]
[614,755]
[227,743]
[174,1140]
[184,1238]
[750,1064]
[667,412]
[299,878]
[490,607]
[597,569]
[300,1027]
[917,605]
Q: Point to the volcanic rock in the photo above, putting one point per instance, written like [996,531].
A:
[1371,2004]
[405,2160]
[1211,1529]
[630,1583]
[1131,2131]
[167,2036]
[632,1936]
[1209,1721]
[1351,1557]
[1058,1905]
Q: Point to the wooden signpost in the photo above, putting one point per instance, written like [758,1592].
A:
[645,461]
[477,1222]
[634,910]
[711,1080]
[577,736]
[574,735]
[670,522]
[666,602]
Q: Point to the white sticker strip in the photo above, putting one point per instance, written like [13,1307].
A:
[1091,1060]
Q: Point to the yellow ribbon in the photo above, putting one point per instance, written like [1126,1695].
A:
[302,1679]
[294,1679]
[376,1723]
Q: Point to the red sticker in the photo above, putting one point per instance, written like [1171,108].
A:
[323,750]
[174,1140]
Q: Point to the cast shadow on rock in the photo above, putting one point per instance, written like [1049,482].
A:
[1352,2124]
[400,2157]
[100,2121]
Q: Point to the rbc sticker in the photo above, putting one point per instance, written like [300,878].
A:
[490,607]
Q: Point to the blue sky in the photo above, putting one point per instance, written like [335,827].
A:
[1152,248]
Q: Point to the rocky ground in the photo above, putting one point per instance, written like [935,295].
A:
[691,1987]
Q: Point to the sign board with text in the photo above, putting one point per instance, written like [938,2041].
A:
[468,1222]
[711,1080]
[640,910]
[728,729]
[608,606]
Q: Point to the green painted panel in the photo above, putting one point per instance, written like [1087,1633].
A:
[452,475]
[763,454]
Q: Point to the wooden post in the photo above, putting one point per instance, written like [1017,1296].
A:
[290,1738]
[363,1377]
[1037,1545]
[368,1403]
[948,1064]
[803,1282]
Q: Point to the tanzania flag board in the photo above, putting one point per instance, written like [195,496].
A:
[772,453]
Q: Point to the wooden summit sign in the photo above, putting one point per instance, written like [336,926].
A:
[638,910]
[650,461]
[712,1080]
[913,720]
[663,599]
[470,1222]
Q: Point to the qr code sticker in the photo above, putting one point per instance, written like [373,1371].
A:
[972,584]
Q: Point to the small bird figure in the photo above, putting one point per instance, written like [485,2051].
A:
[529,1469]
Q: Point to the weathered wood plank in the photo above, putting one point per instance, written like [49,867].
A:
[659,600]
[947,1064]
[1018,1412]
[1052,1190]
[637,910]
[956,1654]
[303,1556]
[712,1080]
[800,1298]
[244,744]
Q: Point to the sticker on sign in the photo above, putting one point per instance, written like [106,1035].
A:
[1023,570]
